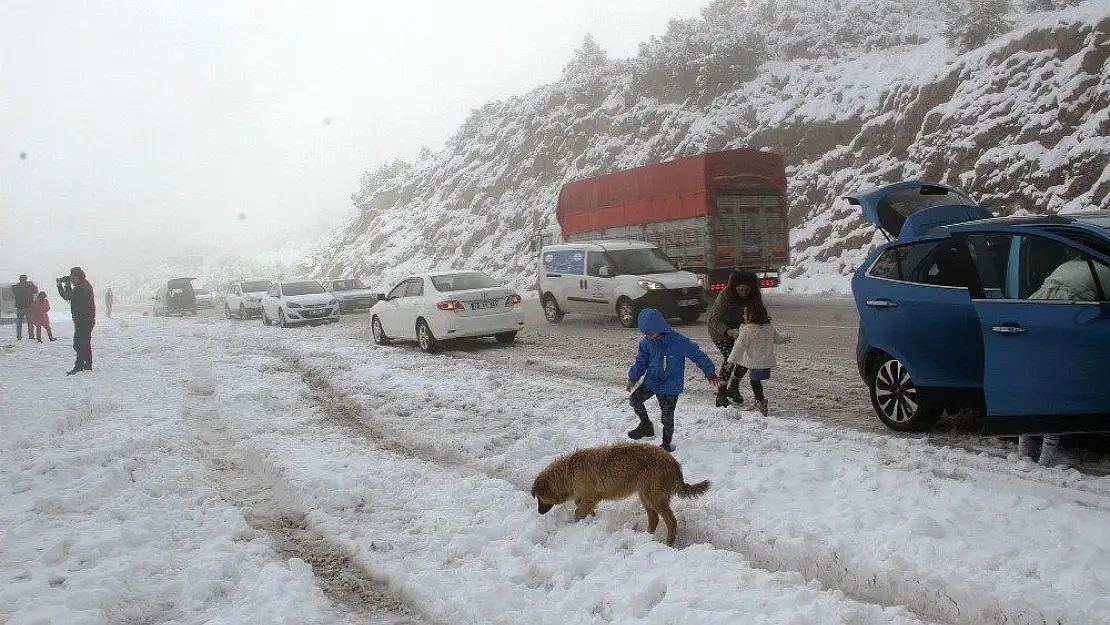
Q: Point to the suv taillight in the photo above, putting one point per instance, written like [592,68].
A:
[451,304]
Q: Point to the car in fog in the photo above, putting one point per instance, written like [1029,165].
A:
[1008,316]
[352,294]
[176,298]
[438,306]
[244,298]
[205,298]
[299,302]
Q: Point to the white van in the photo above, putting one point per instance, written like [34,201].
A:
[619,278]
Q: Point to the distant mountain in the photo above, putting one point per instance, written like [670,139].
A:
[1007,100]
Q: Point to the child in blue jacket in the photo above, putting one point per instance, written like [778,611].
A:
[661,362]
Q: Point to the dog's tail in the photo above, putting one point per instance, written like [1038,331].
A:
[692,490]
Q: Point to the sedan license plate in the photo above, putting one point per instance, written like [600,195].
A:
[489,303]
[687,302]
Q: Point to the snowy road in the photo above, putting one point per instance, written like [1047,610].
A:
[216,472]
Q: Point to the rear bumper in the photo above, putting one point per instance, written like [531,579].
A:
[357,304]
[485,325]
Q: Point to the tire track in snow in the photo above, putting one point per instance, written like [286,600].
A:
[353,415]
[256,488]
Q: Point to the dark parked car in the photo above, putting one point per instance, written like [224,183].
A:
[1009,316]
[351,293]
[176,298]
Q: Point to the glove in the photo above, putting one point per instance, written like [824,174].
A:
[713,379]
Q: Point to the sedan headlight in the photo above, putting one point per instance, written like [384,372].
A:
[650,285]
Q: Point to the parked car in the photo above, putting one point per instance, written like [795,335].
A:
[244,298]
[352,294]
[1006,315]
[205,298]
[299,302]
[434,307]
[615,278]
[176,298]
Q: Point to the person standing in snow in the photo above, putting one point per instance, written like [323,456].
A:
[726,315]
[24,295]
[109,299]
[754,350]
[40,315]
[661,364]
[82,304]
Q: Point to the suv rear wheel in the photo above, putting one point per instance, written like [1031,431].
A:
[897,402]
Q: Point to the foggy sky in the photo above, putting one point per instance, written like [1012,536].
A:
[148,127]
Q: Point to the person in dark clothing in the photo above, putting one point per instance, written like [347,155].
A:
[82,305]
[24,293]
[726,315]
[109,300]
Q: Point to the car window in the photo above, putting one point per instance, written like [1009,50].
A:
[1023,267]
[594,262]
[570,261]
[399,290]
[415,287]
[463,282]
[935,263]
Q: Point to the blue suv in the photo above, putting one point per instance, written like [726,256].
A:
[1008,316]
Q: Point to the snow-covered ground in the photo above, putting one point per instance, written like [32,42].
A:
[219,472]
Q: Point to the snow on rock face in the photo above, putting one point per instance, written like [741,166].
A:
[1020,123]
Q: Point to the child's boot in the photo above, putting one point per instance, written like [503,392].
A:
[644,430]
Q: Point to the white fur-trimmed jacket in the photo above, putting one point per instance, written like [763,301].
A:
[755,346]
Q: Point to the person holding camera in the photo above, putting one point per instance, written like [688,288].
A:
[76,290]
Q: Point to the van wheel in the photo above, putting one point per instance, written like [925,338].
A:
[897,402]
[424,337]
[551,310]
[379,333]
[626,312]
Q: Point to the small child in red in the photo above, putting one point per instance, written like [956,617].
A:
[40,316]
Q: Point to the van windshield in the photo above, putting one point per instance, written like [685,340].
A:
[640,261]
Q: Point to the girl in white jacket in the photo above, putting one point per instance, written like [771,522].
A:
[754,350]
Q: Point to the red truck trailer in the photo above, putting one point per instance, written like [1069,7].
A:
[711,213]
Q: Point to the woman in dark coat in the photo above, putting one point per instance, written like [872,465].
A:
[723,322]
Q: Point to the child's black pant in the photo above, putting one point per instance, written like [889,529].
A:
[667,404]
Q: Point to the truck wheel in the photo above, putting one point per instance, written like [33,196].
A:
[626,312]
[551,310]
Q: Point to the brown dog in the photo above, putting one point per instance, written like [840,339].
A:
[615,472]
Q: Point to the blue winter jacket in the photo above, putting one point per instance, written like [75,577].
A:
[661,361]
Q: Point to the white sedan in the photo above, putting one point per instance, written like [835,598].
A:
[299,301]
[442,305]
